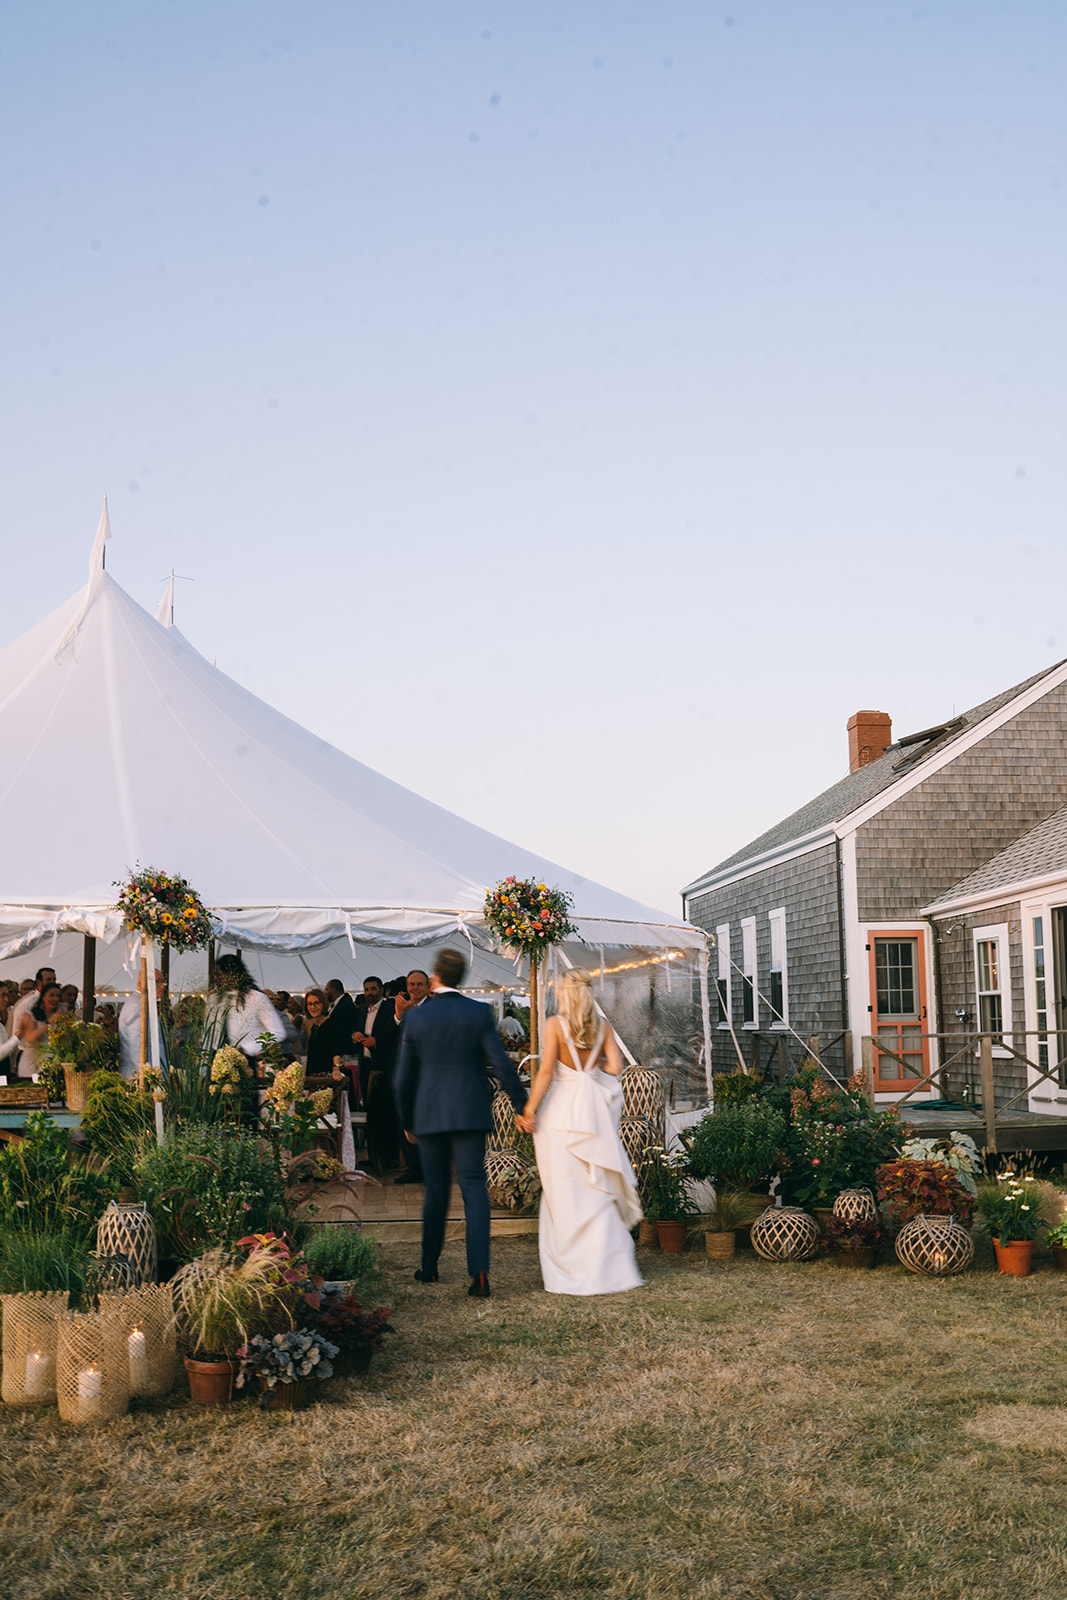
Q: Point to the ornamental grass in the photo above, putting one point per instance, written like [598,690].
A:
[746,1431]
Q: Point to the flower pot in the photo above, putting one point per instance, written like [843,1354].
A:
[671,1237]
[352,1363]
[286,1396]
[77,1090]
[1014,1258]
[1059,1255]
[823,1215]
[720,1246]
[861,1257]
[646,1234]
[211,1382]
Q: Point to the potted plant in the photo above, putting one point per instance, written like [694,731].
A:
[737,1146]
[853,1242]
[923,1188]
[222,1300]
[1010,1210]
[73,1053]
[835,1141]
[664,1196]
[357,1334]
[286,1364]
[1056,1239]
[719,1225]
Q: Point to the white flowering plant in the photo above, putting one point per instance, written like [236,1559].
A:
[956,1151]
[1010,1207]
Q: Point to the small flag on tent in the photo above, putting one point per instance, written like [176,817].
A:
[165,608]
[103,534]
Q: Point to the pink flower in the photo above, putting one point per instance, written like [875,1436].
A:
[815,1161]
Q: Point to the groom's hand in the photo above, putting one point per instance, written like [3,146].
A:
[410,1137]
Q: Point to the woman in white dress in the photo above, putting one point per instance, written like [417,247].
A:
[589,1197]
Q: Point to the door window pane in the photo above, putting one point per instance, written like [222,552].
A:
[894,967]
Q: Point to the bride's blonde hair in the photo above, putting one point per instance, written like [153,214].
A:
[574,1001]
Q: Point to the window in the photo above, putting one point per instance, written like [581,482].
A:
[749,1017]
[992,982]
[723,986]
[779,983]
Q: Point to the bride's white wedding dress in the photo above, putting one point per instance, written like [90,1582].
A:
[589,1197]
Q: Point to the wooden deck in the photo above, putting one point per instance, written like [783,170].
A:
[1016,1130]
[393,1212]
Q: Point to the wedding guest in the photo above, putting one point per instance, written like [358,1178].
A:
[28,998]
[69,992]
[416,993]
[33,1029]
[130,1030]
[317,1036]
[244,1009]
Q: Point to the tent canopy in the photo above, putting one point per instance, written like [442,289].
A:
[125,746]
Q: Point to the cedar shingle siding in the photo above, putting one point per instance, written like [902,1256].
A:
[955,952]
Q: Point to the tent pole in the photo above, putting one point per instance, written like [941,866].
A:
[535,1042]
[705,1019]
[143,987]
[210,962]
[88,978]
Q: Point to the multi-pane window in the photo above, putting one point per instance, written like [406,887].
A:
[748,969]
[779,986]
[992,982]
[723,987]
[894,972]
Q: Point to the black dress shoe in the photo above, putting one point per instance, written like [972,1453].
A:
[480,1287]
[431,1277]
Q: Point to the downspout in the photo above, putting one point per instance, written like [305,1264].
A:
[841,947]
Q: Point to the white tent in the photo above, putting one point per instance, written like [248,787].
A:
[124,746]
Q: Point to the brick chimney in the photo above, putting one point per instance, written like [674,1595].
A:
[870,733]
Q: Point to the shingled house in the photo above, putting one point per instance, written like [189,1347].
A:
[837,921]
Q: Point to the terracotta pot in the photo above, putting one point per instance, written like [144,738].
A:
[211,1382]
[720,1246]
[1014,1258]
[647,1235]
[286,1396]
[671,1237]
[823,1215]
[1059,1255]
[862,1256]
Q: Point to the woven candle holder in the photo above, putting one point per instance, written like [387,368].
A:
[146,1316]
[92,1367]
[856,1205]
[128,1230]
[935,1247]
[636,1134]
[785,1233]
[642,1096]
[29,1348]
[505,1135]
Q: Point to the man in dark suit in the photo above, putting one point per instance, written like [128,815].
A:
[445,1105]
[341,1024]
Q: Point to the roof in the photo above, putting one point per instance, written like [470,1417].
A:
[1041,853]
[906,756]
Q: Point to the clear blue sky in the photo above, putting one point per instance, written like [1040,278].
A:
[573,411]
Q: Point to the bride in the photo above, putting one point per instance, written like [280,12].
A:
[589,1195]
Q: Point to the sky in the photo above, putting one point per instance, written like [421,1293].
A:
[573,411]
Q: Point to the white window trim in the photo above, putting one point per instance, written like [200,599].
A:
[724,970]
[999,932]
[776,919]
[748,968]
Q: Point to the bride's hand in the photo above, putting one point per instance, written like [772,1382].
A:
[525,1124]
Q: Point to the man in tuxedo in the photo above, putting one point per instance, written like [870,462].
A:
[342,1022]
[375,1043]
[445,1106]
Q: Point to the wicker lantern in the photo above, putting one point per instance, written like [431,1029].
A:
[504,1135]
[146,1316]
[642,1096]
[92,1367]
[29,1347]
[785,1233]
[636,1134]
[128,1230]
[936,1247]
[856,1205]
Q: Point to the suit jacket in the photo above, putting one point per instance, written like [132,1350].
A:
[382,1031]
[340,1025]
[441,1084]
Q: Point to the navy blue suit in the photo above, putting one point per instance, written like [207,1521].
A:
[444,1097]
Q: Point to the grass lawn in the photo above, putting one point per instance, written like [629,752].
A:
[759,1432]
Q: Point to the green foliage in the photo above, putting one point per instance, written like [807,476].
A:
[44,1185]
[209,1186]
[342,1255]
[84,1045]
[222,1298]
[116,1116]
[1010,1208]
[193,1034]
[835,1140]
[923,1188]
[739,1145]
[732,1087]
[663,1191]
[33,1261]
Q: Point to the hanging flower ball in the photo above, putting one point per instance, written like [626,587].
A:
[164,908]
[529,916]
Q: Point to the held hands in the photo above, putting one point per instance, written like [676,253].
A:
[526,1122]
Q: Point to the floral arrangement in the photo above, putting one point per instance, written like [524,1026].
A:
[85,1046]
[835,1140]
[228,1068]
[923,1188]
[1010,1208]
[957,1151]
[663,1184]
[286,1358]
[164,908]
[529,916]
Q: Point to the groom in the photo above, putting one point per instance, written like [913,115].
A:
[445,1104]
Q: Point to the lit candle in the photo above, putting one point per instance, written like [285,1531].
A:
[138,1362]
[37,1369]
[90,1389]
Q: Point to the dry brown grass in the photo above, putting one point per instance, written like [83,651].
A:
[748,1431]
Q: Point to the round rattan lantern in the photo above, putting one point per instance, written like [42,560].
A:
[936,1247]
[856,1205]
[636,1134]
[128,1230]
[642,1096]
[505,1134]
[785,1233]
